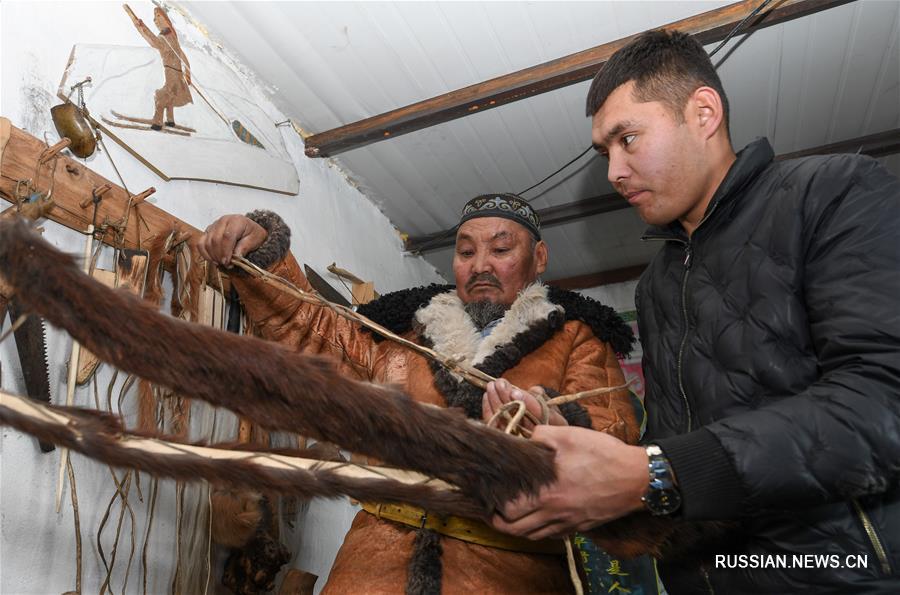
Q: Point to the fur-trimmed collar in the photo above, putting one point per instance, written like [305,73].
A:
[438,316]
[447,326]
[396,311]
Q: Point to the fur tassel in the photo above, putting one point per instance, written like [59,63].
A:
[425,570]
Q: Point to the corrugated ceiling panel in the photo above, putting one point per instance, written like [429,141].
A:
[875,25]
[816,80]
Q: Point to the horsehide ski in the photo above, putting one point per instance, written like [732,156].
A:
[275,387]
[281,390]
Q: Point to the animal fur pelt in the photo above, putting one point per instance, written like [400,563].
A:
[102,437]
[283,391]
[272,385]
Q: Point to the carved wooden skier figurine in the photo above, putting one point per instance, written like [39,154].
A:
[175,92]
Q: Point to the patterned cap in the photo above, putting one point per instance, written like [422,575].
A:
[507,205]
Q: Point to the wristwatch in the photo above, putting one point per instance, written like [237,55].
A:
[663,498]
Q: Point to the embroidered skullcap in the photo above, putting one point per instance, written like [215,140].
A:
[507,205]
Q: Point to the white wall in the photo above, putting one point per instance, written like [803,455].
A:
[331,221]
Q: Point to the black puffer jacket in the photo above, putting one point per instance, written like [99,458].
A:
[772,360]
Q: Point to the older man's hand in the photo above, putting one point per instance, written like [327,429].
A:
[501,392]
[599,478]
[231,235]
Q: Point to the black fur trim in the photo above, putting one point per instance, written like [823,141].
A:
[425,571]
[277,243]
[574,412]
[576,415]
[396,311]
[506,356]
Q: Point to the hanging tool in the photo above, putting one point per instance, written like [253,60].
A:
[70,121]
[29,335]
[322,286]
[363,292]
[32,348]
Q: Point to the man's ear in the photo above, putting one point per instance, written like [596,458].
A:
[707,110]
[541,255]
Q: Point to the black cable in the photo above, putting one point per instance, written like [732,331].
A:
[737,27]
[436,240]
[580,155]
[728,37]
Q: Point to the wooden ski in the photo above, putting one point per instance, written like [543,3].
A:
[149,122]
[142,127]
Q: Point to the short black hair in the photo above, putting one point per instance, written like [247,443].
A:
[666,66]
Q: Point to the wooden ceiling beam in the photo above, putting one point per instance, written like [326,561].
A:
[708,27]
[879,144]
[600,278]
[875,145]
[550,216]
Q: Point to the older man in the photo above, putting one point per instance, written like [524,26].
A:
[499,318]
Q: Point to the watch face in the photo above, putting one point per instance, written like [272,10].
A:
[663,501]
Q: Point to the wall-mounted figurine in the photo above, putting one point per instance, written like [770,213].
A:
[176,91]
[206,123]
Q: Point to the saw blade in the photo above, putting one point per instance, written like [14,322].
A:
[32,350]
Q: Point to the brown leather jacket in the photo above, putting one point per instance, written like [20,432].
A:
[535,344]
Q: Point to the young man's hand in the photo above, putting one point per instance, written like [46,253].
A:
[599,478]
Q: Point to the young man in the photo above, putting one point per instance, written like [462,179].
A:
[499,318]
[771,334]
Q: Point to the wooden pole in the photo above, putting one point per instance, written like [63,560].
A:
[708,27]
[73,187]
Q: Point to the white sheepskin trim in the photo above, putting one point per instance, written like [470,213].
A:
[530,306]
[451,331]
[449,328]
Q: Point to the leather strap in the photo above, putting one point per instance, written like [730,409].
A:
[463,529]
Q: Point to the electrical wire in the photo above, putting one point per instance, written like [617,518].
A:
[738,27]
[437,239]
[580,155]
[734,31]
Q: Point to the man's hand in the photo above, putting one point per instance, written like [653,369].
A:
[500,392]
[231,235]
[599,478]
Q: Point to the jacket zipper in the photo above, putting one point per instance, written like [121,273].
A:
[684,318]
[688,254]
[705,574]
[873,538]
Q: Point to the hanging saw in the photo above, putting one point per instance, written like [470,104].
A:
[29,335]
[32,348]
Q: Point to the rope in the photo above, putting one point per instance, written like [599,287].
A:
[452,363]
[573,568]
[74,497]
